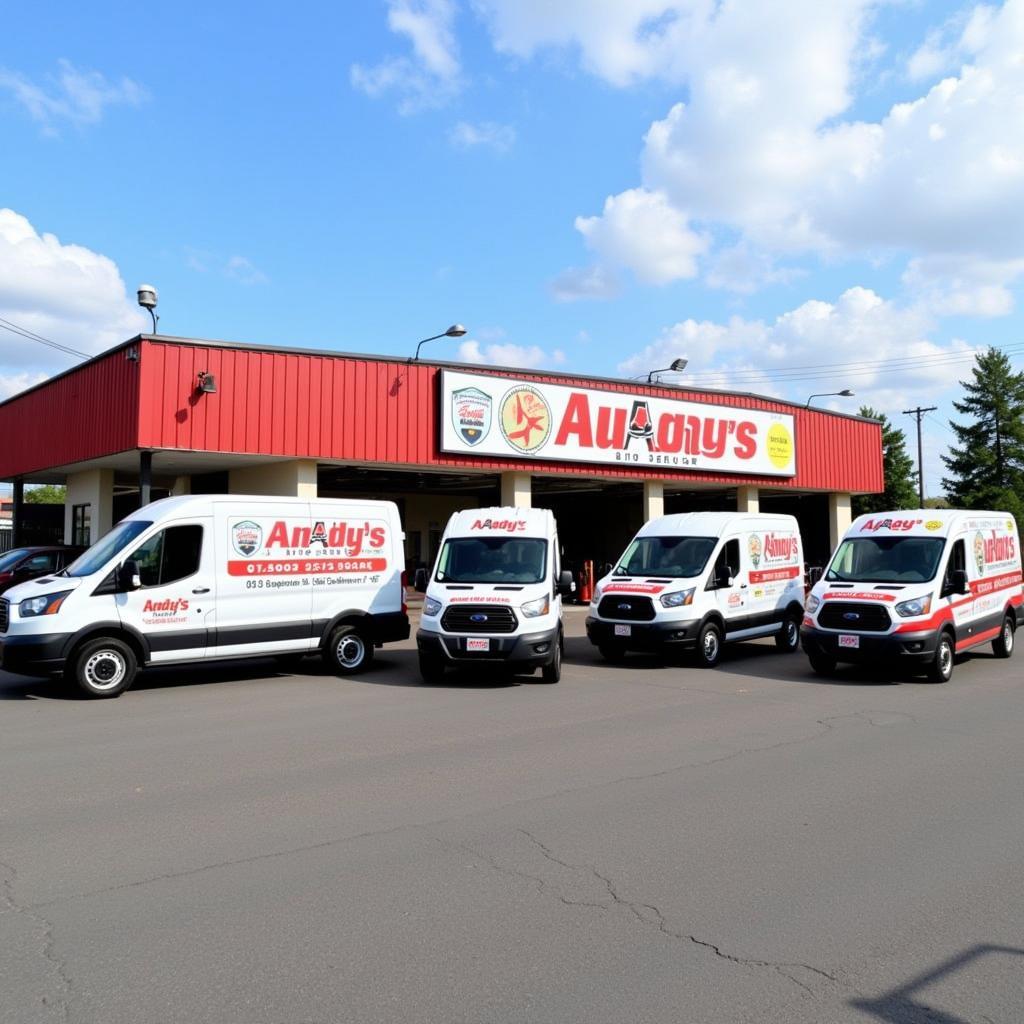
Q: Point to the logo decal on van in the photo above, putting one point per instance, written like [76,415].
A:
[471,414]
[979,553]
[754,547]
[246,537]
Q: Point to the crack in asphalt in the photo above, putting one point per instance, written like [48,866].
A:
[47,950]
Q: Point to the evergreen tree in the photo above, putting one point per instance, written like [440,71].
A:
[898,468]
[986,468]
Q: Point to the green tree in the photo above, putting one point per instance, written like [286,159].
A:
[897,467]
[986,466]
[46,494]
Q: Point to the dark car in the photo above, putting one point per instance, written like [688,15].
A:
[22,564]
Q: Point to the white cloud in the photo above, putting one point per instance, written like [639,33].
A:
[523,356]
[641,231]
[486,134]
[745,269]
[595,282]
[433,74]
[953,285]
[236,268]
[945,47]
[14,383]
[242,270]
[73,96]
[64,292]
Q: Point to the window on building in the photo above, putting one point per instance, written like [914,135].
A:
[169,556]
[81,527]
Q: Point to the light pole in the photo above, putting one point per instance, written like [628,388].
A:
[845,393]
[147,299]
[455,331]
[678,365]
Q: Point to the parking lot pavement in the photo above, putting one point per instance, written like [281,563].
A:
[239,845]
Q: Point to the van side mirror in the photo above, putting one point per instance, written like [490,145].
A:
[605,569]
[566,584]
[420,580]
[724,577]
[814,574]
[128,577]
[958,582]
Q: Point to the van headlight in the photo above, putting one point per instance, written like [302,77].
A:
[678,598]
[813,603]
[917,606]
[534,608]
[431,607]
[48,604]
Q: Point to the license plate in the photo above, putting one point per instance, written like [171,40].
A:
[478,644]
[845,640]
[623,630]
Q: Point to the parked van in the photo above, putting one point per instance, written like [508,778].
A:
[494,598]
[205,577]
[915,589]
[700,579]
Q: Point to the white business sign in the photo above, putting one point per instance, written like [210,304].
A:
[520,419]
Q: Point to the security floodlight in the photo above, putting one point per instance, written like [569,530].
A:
[147,299]
[677,366]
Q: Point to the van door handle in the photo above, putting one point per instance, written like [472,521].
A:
[743,586]
[201,590]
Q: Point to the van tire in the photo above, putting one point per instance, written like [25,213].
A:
[614,654]
[788,638]
[431,668]
[104,667]
[347,651]
[709,645]
[822,664]
[552,671]
[1003,644]
[941,668]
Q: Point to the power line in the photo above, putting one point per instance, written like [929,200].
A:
[24,332]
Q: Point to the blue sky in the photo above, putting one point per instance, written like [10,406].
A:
[594,185]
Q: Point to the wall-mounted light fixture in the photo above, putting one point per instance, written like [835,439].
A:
[206,383]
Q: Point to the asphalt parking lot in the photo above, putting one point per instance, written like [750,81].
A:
[239,845]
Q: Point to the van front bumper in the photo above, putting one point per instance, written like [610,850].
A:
[644,636]
[40,654]
[526,650]
[874,648]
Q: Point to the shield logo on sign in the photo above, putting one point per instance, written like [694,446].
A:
[471,414]
[246,537]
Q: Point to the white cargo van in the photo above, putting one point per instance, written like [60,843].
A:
[915,589]
[494,598]
[201,577]
[696,580]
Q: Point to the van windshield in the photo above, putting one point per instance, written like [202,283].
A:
[671,557]
[886,560]
[493,560]
[106,548]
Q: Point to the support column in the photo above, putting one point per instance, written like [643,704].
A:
[182,485]
[748,499]
[18,514]
[288,479]
[840,515]
[93,492]
[145,478]
[516,490]
[654,499]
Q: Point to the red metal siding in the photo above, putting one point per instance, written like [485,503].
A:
[347,409]
[85,414]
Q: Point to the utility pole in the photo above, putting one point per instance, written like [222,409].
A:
[918,413]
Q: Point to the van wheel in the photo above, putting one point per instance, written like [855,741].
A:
[941,668]
[1003,644]
[788,638]
[612,653]
[348,651]
[822,664]
[552,671]
[104,667]
[431,668]
[709,645]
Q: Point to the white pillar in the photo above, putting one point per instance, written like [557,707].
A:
[94,489]
[654,499]
[289,479]
[748,499]
[516,491]
[840,515]
[182,485]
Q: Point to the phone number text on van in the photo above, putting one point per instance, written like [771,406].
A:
[307,567]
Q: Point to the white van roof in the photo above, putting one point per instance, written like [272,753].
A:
[472,522]
[714,524]
[203,504]
[928,522]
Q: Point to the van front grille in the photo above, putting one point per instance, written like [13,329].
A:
[856,617]
[479,618]
[626,608]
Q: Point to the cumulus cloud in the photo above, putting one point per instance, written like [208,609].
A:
[71,96]
[64,292]
[594,282]
[522,356]
[945,47]
[485,134]
[951,285]
[432,75]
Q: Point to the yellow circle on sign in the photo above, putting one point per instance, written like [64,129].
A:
[525,418]
[780,445]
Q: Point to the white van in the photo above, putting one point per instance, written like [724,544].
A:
[205,577]
[698,579]
[495,595]
[917,588]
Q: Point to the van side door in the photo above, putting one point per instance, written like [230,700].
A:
[175,601]
[730,598]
